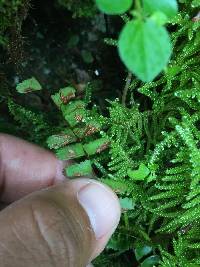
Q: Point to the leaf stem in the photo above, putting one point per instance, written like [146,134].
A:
[127,86]
[138,6]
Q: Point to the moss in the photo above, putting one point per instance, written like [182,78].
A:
[12,13]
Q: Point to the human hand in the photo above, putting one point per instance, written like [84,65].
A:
[50,221]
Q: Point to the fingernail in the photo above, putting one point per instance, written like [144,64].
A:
[102,207]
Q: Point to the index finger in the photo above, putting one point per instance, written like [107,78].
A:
[25,168]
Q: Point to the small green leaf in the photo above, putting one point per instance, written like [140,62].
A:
[145,48]
[119,242]
[96,146]
[139,174]
[79,132]
[173,70]
[73,106]
[76,117]
[140,252]
[117,186]
[82,169]
[70,152]
[64,96]
[28,86]
[159,18]
[168,7]
[114,7]
[151,261]
[74,112]
[59,140]
[56,99]
[91,128]
[127,203]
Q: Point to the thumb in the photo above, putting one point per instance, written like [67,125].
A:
[66,225]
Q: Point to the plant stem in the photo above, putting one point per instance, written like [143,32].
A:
[138,6]
[127,86]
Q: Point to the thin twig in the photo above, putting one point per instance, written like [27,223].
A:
[127,86]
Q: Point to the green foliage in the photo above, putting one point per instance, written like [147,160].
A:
[59,140]
[36,123]
[139,174]
[136,41]
[10,17]
[28,86]
[145,146]
[140,252]
[168,7]
[126,204]
[75,142]
[82,169]
[144,44]
[64,96]
[153,157]
[150,262]
[114,7]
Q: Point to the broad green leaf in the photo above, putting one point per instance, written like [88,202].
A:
[28,86]
[151,261]
[70,152]
[82,169]
[139,174]
[114,7]
[168,7]
[145,48]
[96,146]
[127,203]
[62,139]
[140,252]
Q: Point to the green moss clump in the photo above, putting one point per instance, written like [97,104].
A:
[12,13]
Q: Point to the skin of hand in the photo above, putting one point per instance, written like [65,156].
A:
[47,220]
